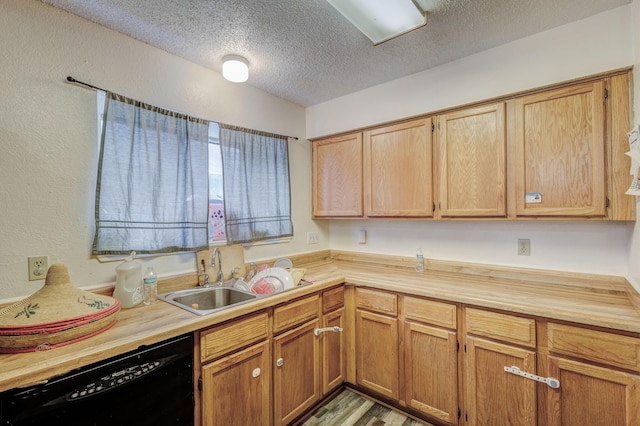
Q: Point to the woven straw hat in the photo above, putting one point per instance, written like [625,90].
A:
[59,313]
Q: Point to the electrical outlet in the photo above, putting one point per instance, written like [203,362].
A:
[524,247]
[312,238]
[38,266]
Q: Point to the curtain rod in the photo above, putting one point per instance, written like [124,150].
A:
[73,80]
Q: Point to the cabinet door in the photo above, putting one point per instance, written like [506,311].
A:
[560,152]
[296,373]
[471,162]
[431,374]
[398,170]
[235,389]
[377,353]
[495,397]
[590,395]
[333,352]
[337,176]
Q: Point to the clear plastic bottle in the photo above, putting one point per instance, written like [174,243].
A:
[419,261]
[150,284]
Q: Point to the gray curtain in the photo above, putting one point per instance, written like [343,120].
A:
[257,197]
[152,189]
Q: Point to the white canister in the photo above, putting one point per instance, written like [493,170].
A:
[129,289]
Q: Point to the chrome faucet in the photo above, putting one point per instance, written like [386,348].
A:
[217,253]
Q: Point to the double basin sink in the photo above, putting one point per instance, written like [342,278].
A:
[207,300]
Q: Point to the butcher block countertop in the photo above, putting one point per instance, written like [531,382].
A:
[595,300]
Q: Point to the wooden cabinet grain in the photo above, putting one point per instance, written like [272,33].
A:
[493,396]
[598,374]
[398,170]
[471,162]
[231,372]
[494,341]
[556,152]
[560,152]
[337,177]
[296,381]
[243,376]
[377,357]
[430,347]
[334,347]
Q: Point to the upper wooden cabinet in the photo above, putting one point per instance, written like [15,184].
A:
[398,170]
[551,153]
[560,152]
[337,176]
[471,162]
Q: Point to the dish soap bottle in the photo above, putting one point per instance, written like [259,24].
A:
[129,282]
[419,261]
[150,286]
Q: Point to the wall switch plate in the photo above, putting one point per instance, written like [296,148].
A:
[524,247]
[312,238]
[38,267]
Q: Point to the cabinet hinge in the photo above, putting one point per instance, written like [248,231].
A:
[434,207]
[465,348]
[457,346]
[459,413]
[606,93]
[433,127]
[200,383]
[607,202]
[466,417]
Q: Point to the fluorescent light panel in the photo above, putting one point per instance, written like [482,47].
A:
[381,20]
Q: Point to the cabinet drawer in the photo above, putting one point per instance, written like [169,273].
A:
[508,328]
[429,311]
[294,313]
[233,335]
[592,345]
[377,301]
[332,299]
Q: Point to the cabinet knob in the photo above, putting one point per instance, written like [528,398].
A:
[256,372]
[280,362]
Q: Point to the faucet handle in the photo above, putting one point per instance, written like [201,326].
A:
[205,280]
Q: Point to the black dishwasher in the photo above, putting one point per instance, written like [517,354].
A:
[152,385]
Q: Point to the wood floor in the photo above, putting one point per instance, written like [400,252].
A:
[351,409]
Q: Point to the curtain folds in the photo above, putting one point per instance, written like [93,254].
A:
[257,197]
[152,189]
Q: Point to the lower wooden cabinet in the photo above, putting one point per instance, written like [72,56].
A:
[236,388]
[377,362]
[495,397]
[430,371]
[591,395]
[270,367]
[599,377]
[430,345]
[296,384]
[333,351]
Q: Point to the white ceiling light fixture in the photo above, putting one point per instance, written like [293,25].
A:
[235,68]
[382,20]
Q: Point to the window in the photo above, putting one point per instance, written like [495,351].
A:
[153,178]
[151,194]
[216,223]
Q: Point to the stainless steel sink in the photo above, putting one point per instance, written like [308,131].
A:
[204,301]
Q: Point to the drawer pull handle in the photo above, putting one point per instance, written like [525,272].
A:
[280,362]
[256,372]
[317,331]
[552,382]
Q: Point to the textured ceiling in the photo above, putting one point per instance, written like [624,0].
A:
[307,52]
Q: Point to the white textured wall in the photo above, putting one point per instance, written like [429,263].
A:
[48,137]
[597,44]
